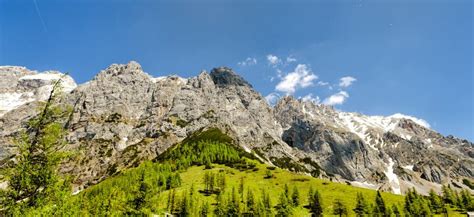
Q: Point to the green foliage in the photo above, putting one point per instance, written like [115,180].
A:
[33,177]
[380,209]
[416,205]
[315,204]
[362,207]
[339,208]
[283,207]
[295,197]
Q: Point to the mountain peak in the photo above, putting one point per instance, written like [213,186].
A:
[223,76]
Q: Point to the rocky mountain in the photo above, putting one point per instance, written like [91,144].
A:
[124,116]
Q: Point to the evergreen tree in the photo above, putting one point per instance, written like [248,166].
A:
[205,210]
[220,209]
[267,203]
[140,198]
[362,207]
[172,201]
[251,208]
[315,205]
[184,209]
[467,200]
[287,192]
[283,206]
[233,205]
[33,177]
[448,196]
[295,197]
[396,211]
[379,209]
[435,202]
[241,188]
[339,208]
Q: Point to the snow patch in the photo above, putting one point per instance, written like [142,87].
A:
[247,149]
[10,101]
[408,167]
[67,82]
[419,121]
[365,185]
[122,144]
[76,192]
[392,177]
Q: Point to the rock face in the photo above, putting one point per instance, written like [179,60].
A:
[394,153]
[124,116]
[20,89]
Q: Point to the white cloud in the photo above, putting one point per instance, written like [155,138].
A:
[301,77]
[310,98]
[336,99]
[273,60]
[248,62]
[290,59]
[272,98]
[346,81]
[322,83]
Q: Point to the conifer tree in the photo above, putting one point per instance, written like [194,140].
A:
[436,204]
[379,209]
[267,203]
[250,202]
[33,177]
[315,205]
[396,210]
[287,192]
[241,189]
[205,210]
[339,208]
[283,206]
[295,197]
[362,207]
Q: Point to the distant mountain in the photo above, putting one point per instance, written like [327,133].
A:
[124,116]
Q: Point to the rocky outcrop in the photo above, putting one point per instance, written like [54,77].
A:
[124,116]
[394,153]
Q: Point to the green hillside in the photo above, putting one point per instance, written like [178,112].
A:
[207,175]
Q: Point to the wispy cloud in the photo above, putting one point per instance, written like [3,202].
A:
[290,59]
[346,81]
[301,77]
[248,62]
[40,17]
[273,60]
[337,98]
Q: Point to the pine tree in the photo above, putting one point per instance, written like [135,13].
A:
[435,202]
[205,210]
[172,201]
[295,197]
[339,208]
[362,207]
[283,207]
[267,203]
[241,188]
[250,202]
[467,200]
[287,191]
[33,178]
[315,205]
[233,205]
[396,211]
[379,209]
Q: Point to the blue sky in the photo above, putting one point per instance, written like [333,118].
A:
[412,57]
